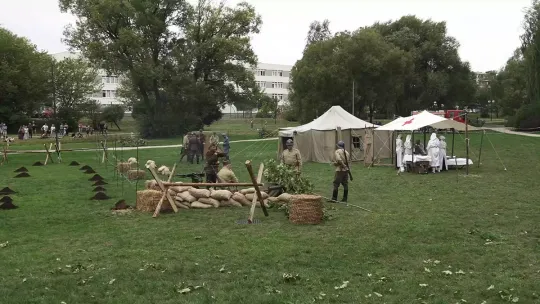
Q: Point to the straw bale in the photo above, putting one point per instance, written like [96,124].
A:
[199,193]
[136,174]
[247,191]
[132,160]
[209,201]
[147,200]
[152,185]
[239,197]
[123,167]
[199,205]
[186,197]
[221,195]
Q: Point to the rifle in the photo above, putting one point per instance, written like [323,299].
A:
[195,177]
[347,163]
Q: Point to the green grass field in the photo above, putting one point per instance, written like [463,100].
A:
[483,228]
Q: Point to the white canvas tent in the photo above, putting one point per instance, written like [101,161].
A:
[317,140]
[424,119]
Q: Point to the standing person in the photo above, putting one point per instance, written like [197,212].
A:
[44,129]
[53,130]
[66,127]
[408,145]
[226,174]
[80,127]
[212,164]
[226,145]
[194,148]
[433,152]
[26,132]
[31,129]
[202,143]
[292,157]
[341,177]
[399,153]
[34,128]
[442,154]
[251,122]
[185,146]
[214,139]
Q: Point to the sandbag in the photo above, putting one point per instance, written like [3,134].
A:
[181,205]
[239,197]
[250,196]
[171,192]
[221,195]
[199,205]
[178,198]
[179,189]
[199,193]
[209,201]
[247,191]
[230,203]
[285,197]
[273,199]
[186,197]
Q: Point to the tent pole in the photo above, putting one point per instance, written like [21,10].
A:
[481,142]
[467,143]
[413,147]
[394,153]
[453,140]
[424,130]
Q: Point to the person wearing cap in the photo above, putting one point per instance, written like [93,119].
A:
[185,146]
[202,142]
[341,162]
[226,174]
[291,157]
[194,149]
[212,164]
[226,145]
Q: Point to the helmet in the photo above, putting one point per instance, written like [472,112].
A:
[289,142]
[341,144]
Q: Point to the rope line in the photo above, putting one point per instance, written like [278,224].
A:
[492,146]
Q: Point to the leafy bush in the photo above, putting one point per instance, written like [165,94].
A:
[286,177]
[131,141]
[527,117]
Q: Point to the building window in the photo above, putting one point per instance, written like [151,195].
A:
[357,142]
[277,85]
[261,73]
[261,84]
[277,73]
[109,79]
[277,96]
[108,93]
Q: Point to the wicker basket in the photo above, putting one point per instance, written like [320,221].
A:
[147,200]
[306,209]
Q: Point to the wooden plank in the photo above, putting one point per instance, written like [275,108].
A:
[254,201]
[163,188]
[48,151]
[158,208]
[256,186]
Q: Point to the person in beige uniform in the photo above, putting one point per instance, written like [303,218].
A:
[291,157]
[226,174]
[341,162]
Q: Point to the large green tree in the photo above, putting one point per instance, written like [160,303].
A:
[182,62]
[24,78]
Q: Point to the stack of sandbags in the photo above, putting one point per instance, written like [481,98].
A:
[189,197]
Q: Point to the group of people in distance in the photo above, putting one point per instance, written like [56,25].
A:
[436,150]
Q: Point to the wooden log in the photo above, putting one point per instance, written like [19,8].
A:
[48,151]
[158,208]
[256,186]
[254,201]
[211,184]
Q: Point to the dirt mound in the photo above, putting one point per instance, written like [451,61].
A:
[96,178]
[6,199]
[38,163]
[6,191]
[8,205]
[85,167]
[120,205]
[21,169]
[100,183]
[90,171]
[100,196]
[24,174]
[99,189]
[74,163]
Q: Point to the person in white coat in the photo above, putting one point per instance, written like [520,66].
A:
[433,152]
[408,145]
[399,153]
[442,154]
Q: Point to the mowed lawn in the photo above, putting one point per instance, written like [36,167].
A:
[442,238]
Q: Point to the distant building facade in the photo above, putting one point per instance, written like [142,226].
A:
[483,79]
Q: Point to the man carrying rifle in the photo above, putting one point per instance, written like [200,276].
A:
[291,157]
[341,162]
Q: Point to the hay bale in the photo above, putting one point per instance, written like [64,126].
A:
[221,195]
[147,200]
[209,201]
[136,174]
[239,197]
[306,209]
[199,193]
[230,203]
[186,197]
[199,205]
[247,191]
[123,167]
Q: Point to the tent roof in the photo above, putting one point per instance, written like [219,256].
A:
[335,117]
[424,119]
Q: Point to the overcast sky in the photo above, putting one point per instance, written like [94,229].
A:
[488,30]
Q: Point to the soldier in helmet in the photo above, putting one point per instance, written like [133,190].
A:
[194,148]
[341,162]
[291,157]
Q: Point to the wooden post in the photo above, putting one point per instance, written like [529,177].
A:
[158,208]
[48,151]
[467,143]
[163,188]
[5,155]
[254,201]
[104,153]
[481,142]
[256,186]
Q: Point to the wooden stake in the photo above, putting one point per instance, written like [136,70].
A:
[48,151]
[254,201]
[256,186]
[163,188]
[5,155]
[158,208]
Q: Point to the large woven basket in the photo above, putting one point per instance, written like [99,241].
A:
[306,209]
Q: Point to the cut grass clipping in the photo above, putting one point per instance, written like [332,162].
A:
[24,174]
[99,189]
[74,163]
[38,163]
[21,169]
[100,183]
[96,178]
[100,196]
[6,191]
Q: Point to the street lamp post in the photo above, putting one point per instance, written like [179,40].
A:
[491,104]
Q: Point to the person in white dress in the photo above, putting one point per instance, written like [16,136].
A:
[433,152]
[408,145]
[53,130]
[442,154]
[26,133]
[399,153]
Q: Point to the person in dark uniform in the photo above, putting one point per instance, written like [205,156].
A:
[194,148]
[341,162]
[212,164]
[202,141]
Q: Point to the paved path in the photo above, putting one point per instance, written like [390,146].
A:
[140,148]
[507,131]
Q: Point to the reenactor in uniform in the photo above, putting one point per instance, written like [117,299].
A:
[194,149]
[202,142]
[185,147]
[214,139]
[212,164]
[291,157]
[226,174]
[341,162]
